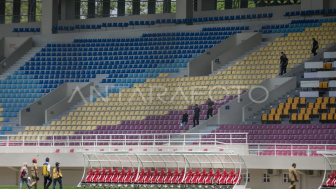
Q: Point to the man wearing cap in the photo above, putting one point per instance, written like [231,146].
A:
[57,176]
[46,174]
[34,174]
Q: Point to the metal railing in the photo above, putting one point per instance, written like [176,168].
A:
[237,142]
[272,149]
[8,143]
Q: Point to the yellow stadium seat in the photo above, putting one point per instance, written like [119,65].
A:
[323,117]
[294,118]
[264,118]
[294,106]
[330,117]
[300,118]
[286,112]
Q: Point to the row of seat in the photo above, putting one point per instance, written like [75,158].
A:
[278,127]
[276,133]
[310,12]
[226,28]
[17,30]
[328,117]
[129,43]
[54,74]
[132,56]
[107,64]
[5,128]
[290,42]
[205,34]
[159,21]
[292,25]
[305,113]
[163,177]
[87,70]
[47,77]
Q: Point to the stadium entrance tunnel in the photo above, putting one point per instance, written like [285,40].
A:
[225,170]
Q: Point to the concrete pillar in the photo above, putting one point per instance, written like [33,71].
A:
[68,10]
[332,4]
[31,10]
[91,9]
[184,9]
[16,11]
[106,8]
[198,5]
[136,7]
[167,6]
[121,8]
[228,4]
[313,4]
[2,11]
[77,9]
[151,6]
[244,4]
[59,12]
[49,16]
[208,5]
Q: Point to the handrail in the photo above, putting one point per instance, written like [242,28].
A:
[124,139]
[172,141]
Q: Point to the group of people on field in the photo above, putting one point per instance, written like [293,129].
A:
[49,177]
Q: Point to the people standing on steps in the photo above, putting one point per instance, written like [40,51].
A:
[210,108]
[184,120]
[196,115]
[282,63]
[285,63]
[315,47]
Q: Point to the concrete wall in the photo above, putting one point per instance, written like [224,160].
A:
[208,5]
[276,181]
[278,11]
[70,100]
[244,104]
[244,43]
[34,113]
[11,44]
[13,49]
[184,9]
[313,4]
[49,16]
[37,113]
[202,64]
[2,50]
[332,4]
[6,29]
[277,88]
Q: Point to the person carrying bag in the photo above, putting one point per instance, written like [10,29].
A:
[57,176]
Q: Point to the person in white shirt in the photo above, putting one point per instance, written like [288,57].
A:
[24,175]
[46,174]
